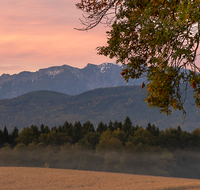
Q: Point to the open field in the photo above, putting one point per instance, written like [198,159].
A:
[52,179]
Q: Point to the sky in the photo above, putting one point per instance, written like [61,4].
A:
[37,34]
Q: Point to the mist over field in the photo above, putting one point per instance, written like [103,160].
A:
[114,147]
[179,163]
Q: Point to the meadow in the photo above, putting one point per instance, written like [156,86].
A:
[18,178]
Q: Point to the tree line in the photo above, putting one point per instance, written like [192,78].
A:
[114,147]
[86,136]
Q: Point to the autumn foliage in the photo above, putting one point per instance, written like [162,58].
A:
[157,38]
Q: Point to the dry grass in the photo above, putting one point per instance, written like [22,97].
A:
[52,179]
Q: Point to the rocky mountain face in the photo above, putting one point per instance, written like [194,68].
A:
[65,79]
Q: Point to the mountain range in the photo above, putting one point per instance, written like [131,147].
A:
[104,104]
[96,93]
[65,79]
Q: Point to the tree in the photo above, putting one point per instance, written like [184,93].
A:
[117,125]
[1,138]
[171,138]
[90,140]
[28,135]
[77,132]
[101,127]
[157,38]
[87,127]
[143,136]
[35,131]
[121,135]
[127,125]
[42,130]
[66,127]
[5,134]
[110,126]
[108,142]
[154,130]
[15,134]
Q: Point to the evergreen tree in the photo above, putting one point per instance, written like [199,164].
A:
[77,132]
[42,130]
[1,138]
[54,129]
[35,131]
[153,129]
[66,127]
[127,125]
[46,130]
[87,127]
[59,129]
[15,134]
[101,127]
[179,129]
[5,135]
[117,125]
[69,129]
[110,126]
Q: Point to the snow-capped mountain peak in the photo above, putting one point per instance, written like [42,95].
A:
[104,67]
[55,72]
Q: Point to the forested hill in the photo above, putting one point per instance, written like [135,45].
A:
[52,108]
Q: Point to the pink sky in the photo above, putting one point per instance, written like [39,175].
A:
[37,34]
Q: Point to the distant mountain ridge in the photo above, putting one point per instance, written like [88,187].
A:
[104,104]
[65,79]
